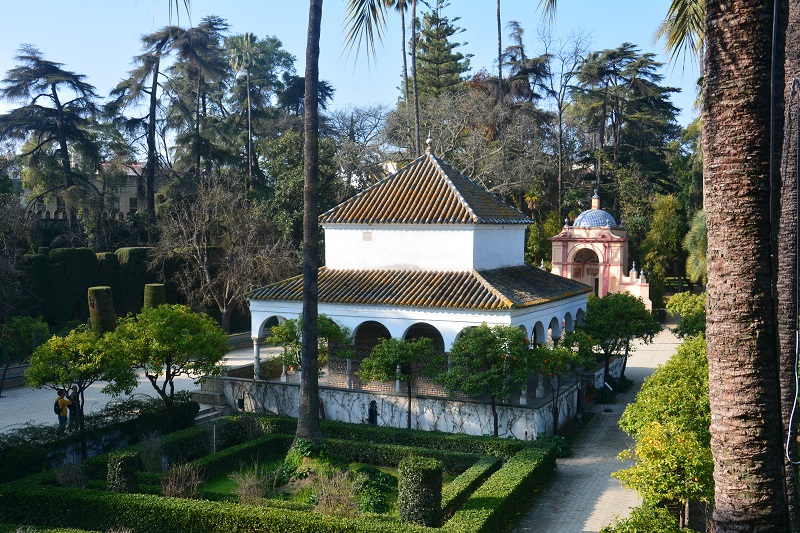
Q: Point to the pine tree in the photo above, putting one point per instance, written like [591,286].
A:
[439,66]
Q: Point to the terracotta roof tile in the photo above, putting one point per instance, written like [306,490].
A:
[502,288]
[426,191]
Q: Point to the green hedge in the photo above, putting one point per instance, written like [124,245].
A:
[419,490]
[14,528]
[454,495]
[435,440]
[506,492]
[133,277]
[232,459]
[379,454]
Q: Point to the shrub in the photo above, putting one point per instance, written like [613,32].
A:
[249,487]
[373,488]
[22,460]
[651,519]
[122,468]
[181,481]
[419,490]
[151,453]
[461,487]
[335,494]
[71,476]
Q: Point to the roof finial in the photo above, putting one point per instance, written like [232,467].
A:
[429,142]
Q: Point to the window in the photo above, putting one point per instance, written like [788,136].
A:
[134,205]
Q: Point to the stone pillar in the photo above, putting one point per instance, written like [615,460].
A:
[523,397]
[284,376]
[256,356]
[397,383]
[349,373]
[539,387]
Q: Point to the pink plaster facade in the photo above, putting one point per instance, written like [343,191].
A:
[598,256]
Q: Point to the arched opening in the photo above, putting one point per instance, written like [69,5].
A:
[265,331]
[366,336]
[538,335]
[586,267]
[553,331]
[569,324]
[580,317]
[423,330]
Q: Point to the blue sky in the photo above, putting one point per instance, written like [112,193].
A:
[98,38]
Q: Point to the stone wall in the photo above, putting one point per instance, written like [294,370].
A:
[427,413]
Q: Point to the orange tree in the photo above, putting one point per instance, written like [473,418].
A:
[80,358]
[492,361]
[398,359]
[170,341]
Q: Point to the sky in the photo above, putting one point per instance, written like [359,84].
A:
[99,38]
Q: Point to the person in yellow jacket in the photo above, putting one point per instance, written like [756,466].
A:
[62,402]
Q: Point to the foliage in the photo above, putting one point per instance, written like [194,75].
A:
[70,475]
[380,454]
[664,254]
[15,236]
[122,468]
[454,495]
[616,319]
[151,453]
[537,246]
[80,358]
[335,494]
[373,488]
[419,490]
[492,361]
[19,336]
[398,359]
[224,244]
[669,422]
[696,245]
[181,481]
[692,309]
[330,337]
[649,518]
[439,66]
[170,341]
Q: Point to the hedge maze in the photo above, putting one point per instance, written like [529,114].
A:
[495,479]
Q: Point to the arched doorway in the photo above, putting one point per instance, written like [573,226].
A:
[586,268]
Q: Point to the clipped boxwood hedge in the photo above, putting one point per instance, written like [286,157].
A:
[232,459]
[461,487]
[419,490]
[391,454]
[435,440]
[506,492]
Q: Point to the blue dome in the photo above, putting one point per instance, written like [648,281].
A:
[595,218]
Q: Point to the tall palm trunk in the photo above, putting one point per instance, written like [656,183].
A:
[787,256]
[249,136]
[742,360]
[414,74]
[405,60]
[150,178]
[308,426]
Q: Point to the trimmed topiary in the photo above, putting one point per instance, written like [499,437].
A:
[154,295]
[101,309]
[122,469]
[419,490]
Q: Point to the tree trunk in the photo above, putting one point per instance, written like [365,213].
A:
[150,179]
[787,257]
[249,137]
[414,74]
[494,414]
[308,426]
[405,61]
[408,384]
[742,360]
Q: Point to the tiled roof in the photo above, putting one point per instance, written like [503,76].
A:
[426,191]
[595,218]
[497,289]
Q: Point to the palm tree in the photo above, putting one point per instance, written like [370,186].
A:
[131,90]
[743,366]
[245,51]
[401,6]
[366,21]
[683,29]
[696,243]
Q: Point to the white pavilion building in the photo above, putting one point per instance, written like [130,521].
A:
[425,252]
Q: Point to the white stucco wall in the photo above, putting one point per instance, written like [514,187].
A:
[425,247]
[448,322]
[498,246]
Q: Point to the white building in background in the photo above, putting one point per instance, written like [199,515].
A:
[594,251]
[425,252]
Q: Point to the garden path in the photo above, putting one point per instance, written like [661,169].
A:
[583,497]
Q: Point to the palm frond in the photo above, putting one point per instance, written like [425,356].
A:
[683,29]
[365,23]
